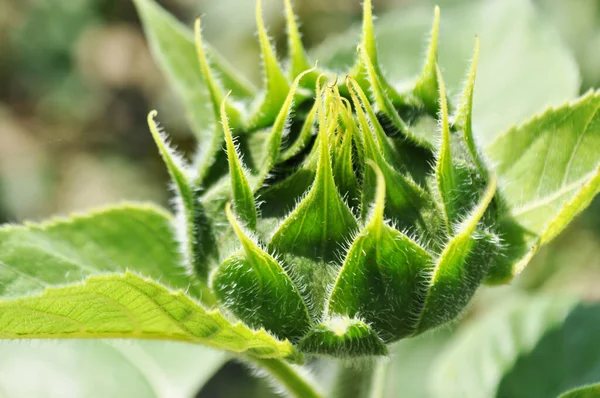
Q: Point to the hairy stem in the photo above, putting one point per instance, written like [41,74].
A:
[379,379]
[296,384]
[360,381]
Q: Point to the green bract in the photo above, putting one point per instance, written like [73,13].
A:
[345,213]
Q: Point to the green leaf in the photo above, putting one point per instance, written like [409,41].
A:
[549,171]
[128,306]
[255,287]
[105,368]
[195,230]
[173,46]
[460,268]
[133,237]
[529,55]
[590,391]
[567,356]
[383,276]
[477,358]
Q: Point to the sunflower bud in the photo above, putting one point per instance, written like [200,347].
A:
[344,214]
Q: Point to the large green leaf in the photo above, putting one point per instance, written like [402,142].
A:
[549,170]
[521,70]
[105,368]
[36,261]
[174,49]
[66,250]
[128,306]
[481,354]
[566,357]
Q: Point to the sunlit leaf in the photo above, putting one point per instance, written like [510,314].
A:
[548,170]
[128,306]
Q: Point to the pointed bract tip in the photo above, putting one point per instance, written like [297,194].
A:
[197,27]
[321,76]
[367,12]
[260,22]
[349,81]
[154,129]
[368,39]
[319,92]
[442,91]
[435,29]
[258,9]
[198,41]
[435,33]
[151,115]
[223,114]
[297,54]
[335,81]
[296,81]
[289,13]
[368,18]
[476,51]
[314,68]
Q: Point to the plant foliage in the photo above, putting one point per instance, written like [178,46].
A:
[346,212]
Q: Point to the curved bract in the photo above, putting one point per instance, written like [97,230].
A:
[352,214]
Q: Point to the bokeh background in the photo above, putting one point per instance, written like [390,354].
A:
[77,81]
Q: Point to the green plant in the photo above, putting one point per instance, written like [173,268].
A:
[345,214]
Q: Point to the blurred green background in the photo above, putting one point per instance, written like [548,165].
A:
[77,80]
